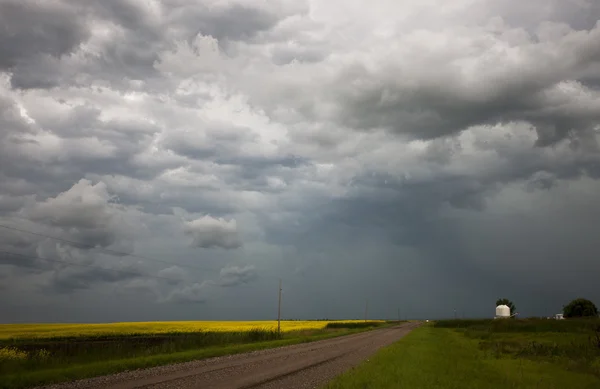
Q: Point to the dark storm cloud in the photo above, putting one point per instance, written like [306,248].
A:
[459,248]
[173,275]
[258,163]
[21,254]
[33,56]
[235,22]
[73,278]
[422,90]
[88,144]
[226,146]
[555,237]
[129,14]
[81,218]
[209,141]
[10,203]
[134,55]
[439,107]
[64,268]
[199,292]
[32,30]
[12,127]
[405,209]
[580,15]
[190,294]
[236,275]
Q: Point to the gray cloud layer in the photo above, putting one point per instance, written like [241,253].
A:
[416,155]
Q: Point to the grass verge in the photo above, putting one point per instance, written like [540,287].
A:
[441,358]
[66,370]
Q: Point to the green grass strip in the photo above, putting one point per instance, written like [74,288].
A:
[436,358]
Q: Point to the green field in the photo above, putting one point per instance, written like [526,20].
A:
[36,354]
[474,354]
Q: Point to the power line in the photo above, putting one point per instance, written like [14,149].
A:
[109,251]
[90,266]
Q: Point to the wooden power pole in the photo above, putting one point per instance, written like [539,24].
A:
[366,310]
[279,310]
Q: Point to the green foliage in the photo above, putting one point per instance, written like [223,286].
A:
[507,302]
[521,325]
[570,344]
[580,308]
[440,358]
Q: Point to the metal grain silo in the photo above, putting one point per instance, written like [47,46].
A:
[502,312]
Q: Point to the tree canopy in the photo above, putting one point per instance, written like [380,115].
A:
[507,302]
[580,308]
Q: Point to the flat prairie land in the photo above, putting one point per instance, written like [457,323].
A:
[33,354]
[473,354]
[51,330]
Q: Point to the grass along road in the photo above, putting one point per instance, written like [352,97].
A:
[443,358]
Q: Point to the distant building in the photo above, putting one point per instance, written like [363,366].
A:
[502,312]
[559,316]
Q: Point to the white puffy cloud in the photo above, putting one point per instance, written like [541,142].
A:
[84,205]
[208,232]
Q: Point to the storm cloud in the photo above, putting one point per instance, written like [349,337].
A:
[235,275]
[425,156]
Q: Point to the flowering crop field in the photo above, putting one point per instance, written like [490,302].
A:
[31,331]
[37,354]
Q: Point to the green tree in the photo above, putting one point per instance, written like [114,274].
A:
[580,308]
[507,302]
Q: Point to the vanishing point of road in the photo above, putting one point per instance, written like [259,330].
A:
[307,365]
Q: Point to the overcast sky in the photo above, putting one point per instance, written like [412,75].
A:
[425,156]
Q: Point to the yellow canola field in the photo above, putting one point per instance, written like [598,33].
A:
[8,331]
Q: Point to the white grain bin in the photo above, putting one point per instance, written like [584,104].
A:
[502,312]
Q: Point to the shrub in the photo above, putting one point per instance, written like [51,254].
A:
[580,308]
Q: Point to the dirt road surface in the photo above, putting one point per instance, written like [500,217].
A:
[308,365]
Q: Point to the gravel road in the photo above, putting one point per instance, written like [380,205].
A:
[308,365]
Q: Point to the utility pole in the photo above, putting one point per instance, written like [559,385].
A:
[366,310]
[279,310]
[398,314]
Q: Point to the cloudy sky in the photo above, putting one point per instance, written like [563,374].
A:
[172,160]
